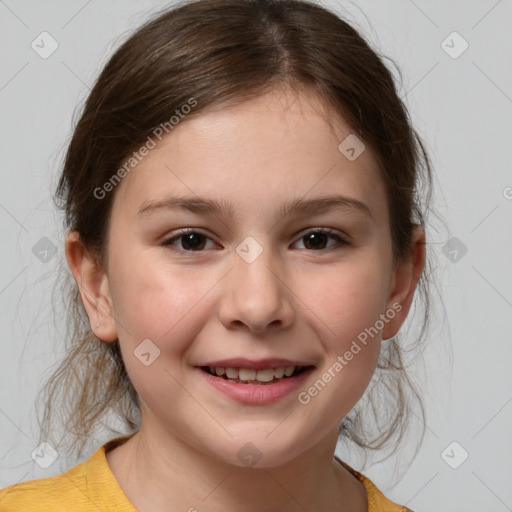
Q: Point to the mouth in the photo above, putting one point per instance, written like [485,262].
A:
[257,383]
[250,376]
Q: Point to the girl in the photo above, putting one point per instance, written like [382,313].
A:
[244,229]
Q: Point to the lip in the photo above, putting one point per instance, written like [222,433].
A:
[255,394]
[260,364]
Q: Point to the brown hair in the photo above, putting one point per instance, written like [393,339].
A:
[223,52]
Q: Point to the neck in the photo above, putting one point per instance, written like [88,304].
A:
[160,473]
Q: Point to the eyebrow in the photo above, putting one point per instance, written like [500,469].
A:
[323,205]
[314,206]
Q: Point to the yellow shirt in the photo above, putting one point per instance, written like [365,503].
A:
[92,487]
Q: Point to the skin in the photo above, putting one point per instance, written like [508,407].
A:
[293,301]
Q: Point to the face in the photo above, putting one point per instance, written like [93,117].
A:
[269,272]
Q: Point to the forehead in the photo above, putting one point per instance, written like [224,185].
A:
[261,152]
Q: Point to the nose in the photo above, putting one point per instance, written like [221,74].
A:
[256,295]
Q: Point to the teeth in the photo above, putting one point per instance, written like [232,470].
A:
[279,372]
[265,375]
[289,370]
[248,374]
[231,373]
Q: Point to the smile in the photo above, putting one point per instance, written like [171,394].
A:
[251,376]
[255,387]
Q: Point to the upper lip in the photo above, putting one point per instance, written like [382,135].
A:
[260,364]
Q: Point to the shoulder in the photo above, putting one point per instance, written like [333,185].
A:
[377,502]
[53,493]
[85,487]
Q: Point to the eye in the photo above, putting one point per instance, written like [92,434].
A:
[316,239]
[189,240]
[194,241]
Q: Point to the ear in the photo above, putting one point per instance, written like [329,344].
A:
[403,282]
[94,287]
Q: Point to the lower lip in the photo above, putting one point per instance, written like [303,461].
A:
[257,393]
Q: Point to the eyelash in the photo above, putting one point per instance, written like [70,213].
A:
[340,240]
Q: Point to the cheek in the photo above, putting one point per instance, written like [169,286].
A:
[158,303]
[344,308]
[154,300]
[346,299]
[346,304]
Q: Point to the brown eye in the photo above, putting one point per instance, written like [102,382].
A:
[193,241]
[315,240]
[189,241]
[318,239]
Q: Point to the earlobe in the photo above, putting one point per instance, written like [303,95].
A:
[403,283]
[93,284]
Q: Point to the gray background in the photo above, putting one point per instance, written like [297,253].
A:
[462,107]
